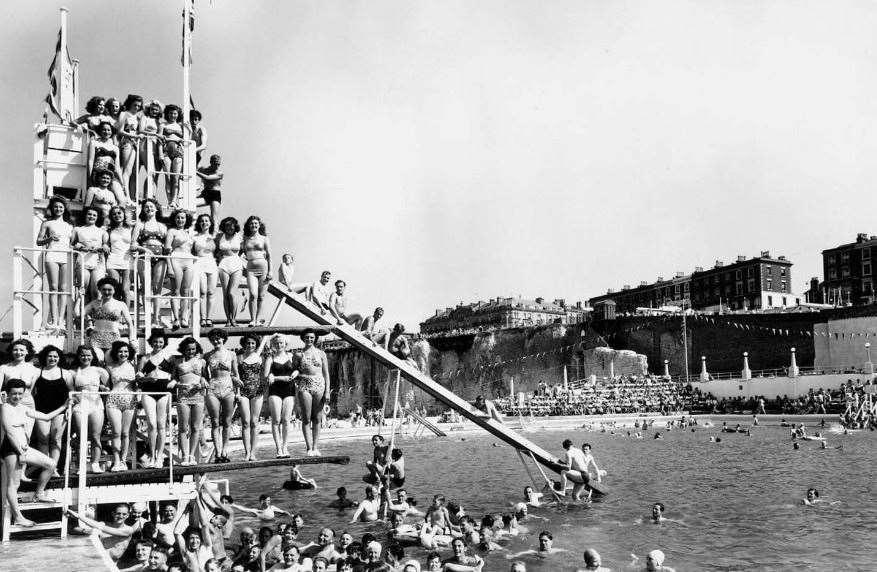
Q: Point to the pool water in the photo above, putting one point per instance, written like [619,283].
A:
[737,502]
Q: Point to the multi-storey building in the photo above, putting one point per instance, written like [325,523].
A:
[503,313]
[849,272]
[659,293]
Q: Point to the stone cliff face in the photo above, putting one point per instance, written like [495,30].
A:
[488,363]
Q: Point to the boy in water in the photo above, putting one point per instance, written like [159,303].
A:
[378,464]
[437,515]
[342,501]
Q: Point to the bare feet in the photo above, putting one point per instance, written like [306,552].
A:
[24,522]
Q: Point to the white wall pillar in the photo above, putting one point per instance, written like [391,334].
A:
[704,375]
[793,368]
[747,373]
[667,369]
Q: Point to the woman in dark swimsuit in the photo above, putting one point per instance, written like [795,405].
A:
[251,394]
[50,391]
[154,374]
[278,370]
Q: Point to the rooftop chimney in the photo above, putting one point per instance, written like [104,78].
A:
[660,278]
[680,274]
[643,283]
[610,291]
[781,258]
[741,258]
[540,300]
[719,264]
[698,268]
[626,287]
[765,253]
[862,237]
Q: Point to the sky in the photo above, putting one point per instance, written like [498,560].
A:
[438,152]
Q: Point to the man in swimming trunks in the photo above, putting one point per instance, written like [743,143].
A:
[338,306]
[576,470]
[211,177]
[589,461]
[398,343]
[319,292]
[378,464]
[371,331]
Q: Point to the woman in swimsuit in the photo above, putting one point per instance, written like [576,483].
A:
[104,314]
[278,370]
[190,378]
[122,401]
[119,259]
[103,155]
[258,250]
[154,374]
[178,244]
[14,450]
[222,371]
[204,247]
[95,113]
[51,390]
[172,153]
[251,393]
[91,242]
[150,150]
[311,375]
[126,127]
[228,252]
[150,235]
[89,408]
[113,107]
[20,366]
[100,195]
[54,235]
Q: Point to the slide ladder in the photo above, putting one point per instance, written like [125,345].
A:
[424,421]
[410,372]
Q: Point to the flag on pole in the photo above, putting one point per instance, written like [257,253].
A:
[61,97]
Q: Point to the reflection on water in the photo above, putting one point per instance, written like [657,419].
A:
[738,501]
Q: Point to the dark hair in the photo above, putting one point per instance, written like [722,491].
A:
[368,537]
[217,333]
[211,229]
[110,123]
[566,444]
[337,282]
[188,342]
[171,107]
[341,491]
[307,331]
[156,334]
[487,521]
[396,454]
[192,530]
[225,498]
[507,518]
[194,114]
[65,216]
[117,347]
[142,215]
[100,215]
[659,505]
[264,496]
[144,542]
[161,549]
[27,345]
[113,225]
[379,437]
[131,100]
[396,550]
[247,337]
[93,101]
[588,445]
[250,219]
[89,349]
[44,353]
[230,220]
[173,218]
[15,384]
[547,534]
[432,556]
[107,103]
[108,280]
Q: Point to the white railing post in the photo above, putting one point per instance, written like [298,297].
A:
[82,418]
[793,368]
[145,262]
[195,297]
[704,374]
[17,326]
[70,295]
[746,373]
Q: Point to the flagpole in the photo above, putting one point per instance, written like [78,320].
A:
[186,183]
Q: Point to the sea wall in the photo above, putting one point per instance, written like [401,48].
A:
[774,387]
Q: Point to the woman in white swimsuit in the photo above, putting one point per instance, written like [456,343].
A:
[119,259]
[149,235]
[129,121]
[92,243]
[89,407]
[20,366]
[228,248]
[122,401]
[204,247]
[150,149]
[172,151]
[54,235]
[178,244]
[222,373]
[258,251]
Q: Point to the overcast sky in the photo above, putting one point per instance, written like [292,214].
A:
[445,151]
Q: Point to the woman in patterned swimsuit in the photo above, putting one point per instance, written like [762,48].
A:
[311,375]
[278,370]
[190,379]
[91,242]
[252,393]
[154,375]
[89,408]
[222,371]
[149,234]
[122,401]
[104,314]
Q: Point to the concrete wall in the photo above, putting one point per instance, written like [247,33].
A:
[831,349]
[772,387]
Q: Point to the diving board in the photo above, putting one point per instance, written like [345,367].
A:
[413,375]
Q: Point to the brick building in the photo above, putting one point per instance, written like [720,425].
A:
[504,313]
[849,272]
[659,293]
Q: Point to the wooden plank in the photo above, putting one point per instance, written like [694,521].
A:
[412,374]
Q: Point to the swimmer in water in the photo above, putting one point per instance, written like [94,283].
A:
[531,497]
[437,515]
[342,501]
[658,512]
[367,511]
[546,547]
[266,511]
[655,562]
[297,481]
[593,562]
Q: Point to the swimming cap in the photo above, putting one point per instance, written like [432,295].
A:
[657,556]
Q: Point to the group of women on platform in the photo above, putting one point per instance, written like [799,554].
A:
[124,132]
[181,249]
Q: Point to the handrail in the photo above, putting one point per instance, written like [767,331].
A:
[148,296]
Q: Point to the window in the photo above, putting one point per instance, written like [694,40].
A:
[676,289]
[738,275]
[783,288]
[768,269]
[739,288]
[769,284]
[831,259]
[687,286]
[769,301]
[782,271]
[784,301]
[866,286]
[750,285]
[832,274]
[866,269]
[845,272]
[844,257]
[750,272]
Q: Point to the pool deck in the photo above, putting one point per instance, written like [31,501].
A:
[79,553]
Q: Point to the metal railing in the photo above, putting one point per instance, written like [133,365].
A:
[149,297]
[20,293]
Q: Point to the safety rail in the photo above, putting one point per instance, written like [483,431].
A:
[857,369]
[19,259]
[149,297]
[82,428]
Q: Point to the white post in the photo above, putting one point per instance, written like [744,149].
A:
[185,196]
[667,368]
[512,386]
[612,369]
[704,375]
[565,379]
[793,368]
[17,326]
[869,365]
[145,262]
[70,306]
[195,295]
[747,373]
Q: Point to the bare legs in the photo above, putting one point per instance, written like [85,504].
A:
[230,283]
[11,464]
[256,286]
[57,302]
[183,272]
[310,406]
[123,277]
[128,160]
[49,434]
[281,413]
[249,410]
[156,409]
[208,288]
[190,420]
[121,424]
[220,412]
[91,423]
[157,273]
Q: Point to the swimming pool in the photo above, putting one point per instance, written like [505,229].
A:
[738,502]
